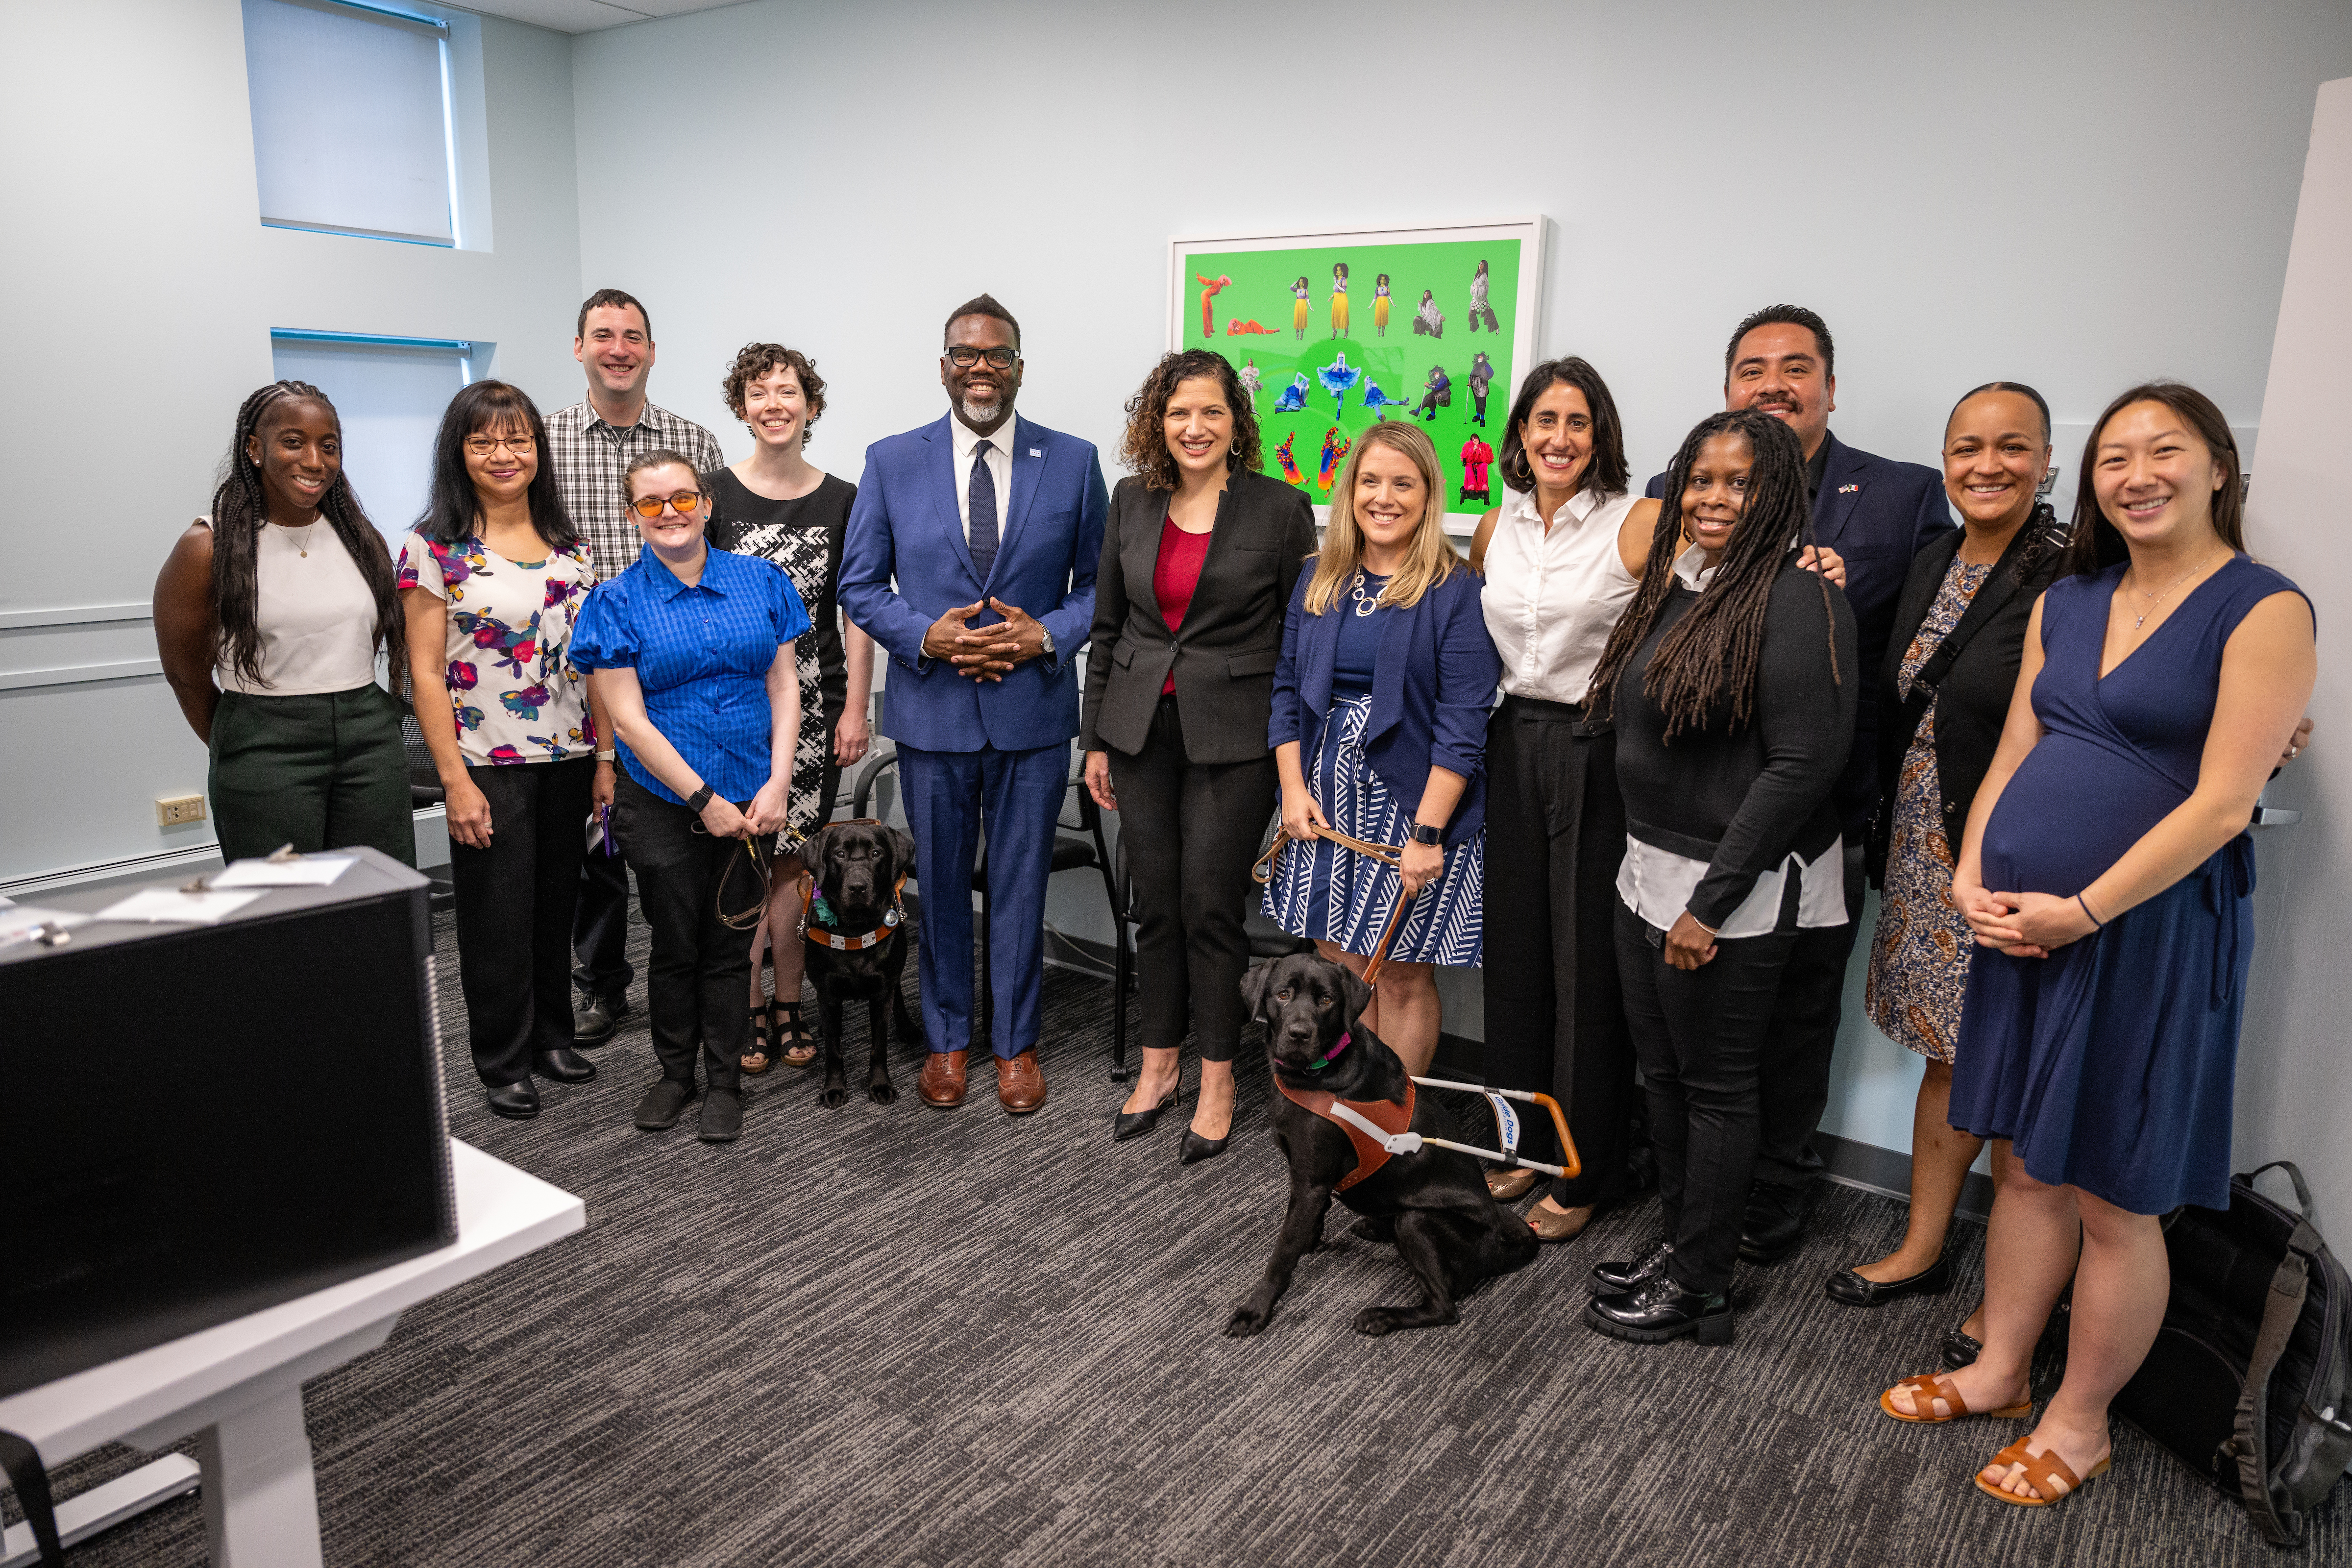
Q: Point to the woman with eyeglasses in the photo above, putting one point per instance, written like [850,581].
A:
[489,583]
[268,617]
[690,656]
[777,505]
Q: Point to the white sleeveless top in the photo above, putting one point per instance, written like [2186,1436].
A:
[1551,599]
[314,612]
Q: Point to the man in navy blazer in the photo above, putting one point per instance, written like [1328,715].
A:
[970,557]
[1876,513]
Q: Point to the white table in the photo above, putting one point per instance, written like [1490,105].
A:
[239,1386]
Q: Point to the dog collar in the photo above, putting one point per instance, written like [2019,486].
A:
[1331,1055]
[813,901]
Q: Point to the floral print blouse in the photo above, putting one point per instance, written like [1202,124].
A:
[511,684]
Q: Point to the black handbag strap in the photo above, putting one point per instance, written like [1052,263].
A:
[23,1463]
[1998,591]
[2249,1441]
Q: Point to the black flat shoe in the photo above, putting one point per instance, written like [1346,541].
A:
[1851,1288]
[564,1065]
[516,1102]
[1960,1350]
[1125,1125]
[722,1118]
[663,1103]
[1773,1229]
[1633,1273]
[1662,1310]
[1197,1148]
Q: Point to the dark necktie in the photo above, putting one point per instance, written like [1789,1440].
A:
[982,494]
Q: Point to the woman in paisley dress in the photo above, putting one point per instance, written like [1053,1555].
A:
[778,506]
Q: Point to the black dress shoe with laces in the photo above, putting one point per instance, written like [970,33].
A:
[1632,1273]
[564,1065]
[594,1020]
[516,1102]
[1661,1309]
[1851,1288]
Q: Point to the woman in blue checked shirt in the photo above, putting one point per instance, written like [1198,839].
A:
[689,654]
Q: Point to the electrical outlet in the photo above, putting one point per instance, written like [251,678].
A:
[171,810]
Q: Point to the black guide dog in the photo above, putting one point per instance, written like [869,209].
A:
[1432,1203]
[857,867]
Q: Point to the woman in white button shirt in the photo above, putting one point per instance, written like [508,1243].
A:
[1561,557]
[271,616]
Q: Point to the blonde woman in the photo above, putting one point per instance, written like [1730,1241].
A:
[1380,732]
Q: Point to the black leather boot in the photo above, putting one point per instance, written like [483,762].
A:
[1661,1309]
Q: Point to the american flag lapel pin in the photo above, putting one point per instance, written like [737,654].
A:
[1849,489]
[1036,451]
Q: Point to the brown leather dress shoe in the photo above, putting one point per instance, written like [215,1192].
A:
[942,1080]
[1020,1087]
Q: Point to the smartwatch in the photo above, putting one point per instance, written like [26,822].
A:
[1422,833]
[698,800]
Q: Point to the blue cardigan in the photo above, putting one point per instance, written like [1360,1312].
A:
[1432,683]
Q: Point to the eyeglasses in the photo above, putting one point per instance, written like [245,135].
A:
[998,359]
[651,507]
[483,445]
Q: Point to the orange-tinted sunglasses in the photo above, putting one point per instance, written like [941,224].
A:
[651,507]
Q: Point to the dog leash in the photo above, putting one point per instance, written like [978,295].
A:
[1391,855]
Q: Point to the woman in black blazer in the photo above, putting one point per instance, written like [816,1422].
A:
[1199,559]
[1951,672]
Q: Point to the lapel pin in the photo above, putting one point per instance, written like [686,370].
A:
[1036,451]
[1848,490]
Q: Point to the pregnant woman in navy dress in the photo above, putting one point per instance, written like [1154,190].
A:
[2108,863]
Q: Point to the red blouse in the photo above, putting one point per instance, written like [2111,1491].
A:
[1174,577]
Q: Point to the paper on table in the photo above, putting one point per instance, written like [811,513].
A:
[310,871]
[18,921]
[171,904]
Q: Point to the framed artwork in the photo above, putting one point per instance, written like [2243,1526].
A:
[1332,332]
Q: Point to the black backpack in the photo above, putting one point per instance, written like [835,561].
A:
[2250,1380]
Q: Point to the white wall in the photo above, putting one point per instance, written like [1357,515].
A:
[2294,1076]
[143,290]
[2076,197]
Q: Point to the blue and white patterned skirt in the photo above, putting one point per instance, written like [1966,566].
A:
[1331,893]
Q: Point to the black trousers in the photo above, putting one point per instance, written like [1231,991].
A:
[1190,831]
[1555,1013]
[700,969]
[1803,1033]
[1699,1035]
[515,902]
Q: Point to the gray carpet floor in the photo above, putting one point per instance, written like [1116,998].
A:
[893,1335]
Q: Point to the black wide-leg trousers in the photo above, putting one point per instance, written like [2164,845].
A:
[515,902]
[700,967]
[1555,1012]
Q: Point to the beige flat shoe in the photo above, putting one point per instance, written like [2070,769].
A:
[1551,1223]
[1509,1183]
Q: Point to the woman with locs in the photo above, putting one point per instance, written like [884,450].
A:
[1731,682]
[1199,559]
[2107,869]
[270,614]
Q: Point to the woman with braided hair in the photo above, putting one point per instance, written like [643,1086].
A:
[1730,680]
[270,614]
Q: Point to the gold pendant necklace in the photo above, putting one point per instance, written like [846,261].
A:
[2157,598]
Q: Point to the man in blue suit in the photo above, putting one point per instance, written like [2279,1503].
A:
[971,556]
[1876,513]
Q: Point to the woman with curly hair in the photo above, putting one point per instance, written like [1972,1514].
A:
[1199,559]
[269,616]
[781,506]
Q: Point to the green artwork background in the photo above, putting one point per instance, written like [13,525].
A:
[1398,362]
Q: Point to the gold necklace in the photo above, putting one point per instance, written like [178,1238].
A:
[2154,599]
[303,544]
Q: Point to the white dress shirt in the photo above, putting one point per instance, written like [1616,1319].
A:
[1000,469]
[1657,884]
[1552,597]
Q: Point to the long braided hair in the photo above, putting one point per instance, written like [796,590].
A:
[1713,651]
[239,513]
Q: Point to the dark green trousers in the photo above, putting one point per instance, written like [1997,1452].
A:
[319,773]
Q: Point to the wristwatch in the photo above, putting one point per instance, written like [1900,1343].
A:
[1047,638]
[698,800]
[1422,833]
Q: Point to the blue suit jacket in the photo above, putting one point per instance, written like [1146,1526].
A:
[1433,682]
[1877,513]
[905,562]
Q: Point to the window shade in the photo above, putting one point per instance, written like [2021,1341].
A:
[349,128]
[390,397]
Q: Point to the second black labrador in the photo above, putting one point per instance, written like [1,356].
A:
[1432,1203]
[857,867]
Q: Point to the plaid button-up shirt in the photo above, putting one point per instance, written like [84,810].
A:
[590,456]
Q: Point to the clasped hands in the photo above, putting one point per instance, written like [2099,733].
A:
[2022,925]
[985,653]
[768,814]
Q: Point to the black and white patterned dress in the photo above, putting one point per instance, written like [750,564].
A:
[803,538]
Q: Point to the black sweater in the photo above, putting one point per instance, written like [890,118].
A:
[1743,800]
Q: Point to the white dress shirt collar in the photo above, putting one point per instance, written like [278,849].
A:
[1692,568]
[1521,506]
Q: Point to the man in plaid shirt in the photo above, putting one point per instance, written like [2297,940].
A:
[590,445]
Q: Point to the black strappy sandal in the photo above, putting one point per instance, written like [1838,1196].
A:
[799,1050]
[761,1055]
